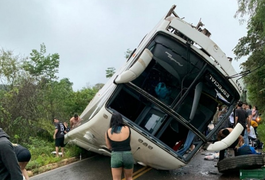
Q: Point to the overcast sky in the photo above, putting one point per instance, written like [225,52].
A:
[92,35]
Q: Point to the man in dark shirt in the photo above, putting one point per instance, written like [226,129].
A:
[9,168]
[59,136]
[241,117]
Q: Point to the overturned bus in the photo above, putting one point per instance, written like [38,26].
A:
[167,93]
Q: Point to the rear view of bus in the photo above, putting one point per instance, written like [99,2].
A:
[168,92]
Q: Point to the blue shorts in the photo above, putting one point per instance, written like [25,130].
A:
[122,159]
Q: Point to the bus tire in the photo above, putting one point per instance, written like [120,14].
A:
[250,161]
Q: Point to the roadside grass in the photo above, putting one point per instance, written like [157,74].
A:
[42,158]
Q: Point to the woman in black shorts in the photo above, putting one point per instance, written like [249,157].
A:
[118,138]
[23,157]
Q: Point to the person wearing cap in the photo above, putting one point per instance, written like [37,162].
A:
[23,157]
[9,168]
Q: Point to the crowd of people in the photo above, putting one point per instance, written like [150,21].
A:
[247,116]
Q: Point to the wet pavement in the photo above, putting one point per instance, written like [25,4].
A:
[98,167]
[199,168]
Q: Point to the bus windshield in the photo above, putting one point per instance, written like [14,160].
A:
[176,96]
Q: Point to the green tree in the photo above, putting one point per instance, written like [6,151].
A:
[9,68]
[82,99]
[42,66]
[253,46]
[16,95]
[128,53]
[98,86]
[29,87]
[53,97]
[36,96]
[110,71]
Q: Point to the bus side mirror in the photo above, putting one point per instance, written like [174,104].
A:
[137,68]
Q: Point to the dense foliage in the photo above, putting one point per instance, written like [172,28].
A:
[31,95]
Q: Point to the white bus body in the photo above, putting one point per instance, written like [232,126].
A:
[167,92]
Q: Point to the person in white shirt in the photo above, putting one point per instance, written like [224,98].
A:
[252,133]
[231,120]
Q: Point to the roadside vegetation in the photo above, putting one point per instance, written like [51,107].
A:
[43,160]
[252,48]
[31,94]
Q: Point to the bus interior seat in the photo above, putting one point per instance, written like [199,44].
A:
[200,121]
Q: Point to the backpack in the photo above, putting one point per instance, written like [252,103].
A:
[161,90]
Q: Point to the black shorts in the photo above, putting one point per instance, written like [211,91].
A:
[59,142]
[24,156]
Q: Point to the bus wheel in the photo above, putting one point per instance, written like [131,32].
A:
[250,161]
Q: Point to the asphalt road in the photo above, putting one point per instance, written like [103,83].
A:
[98,168]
